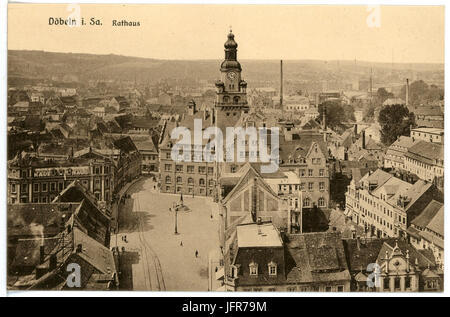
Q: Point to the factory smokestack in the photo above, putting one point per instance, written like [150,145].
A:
[324,122]
[281,84]
[407,92]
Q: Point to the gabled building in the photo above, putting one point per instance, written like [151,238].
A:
[315,262]
[246,197]
[395,154]
[385,205]
[390,265]
[432,135]
[426,231]
[128,165]
[257,259]
[44,239]
[426,160]
[119,103]
[260,260]
[306,155]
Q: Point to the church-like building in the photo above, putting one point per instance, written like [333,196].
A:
[200,178]
[231,98]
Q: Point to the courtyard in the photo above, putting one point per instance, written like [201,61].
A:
[154,257]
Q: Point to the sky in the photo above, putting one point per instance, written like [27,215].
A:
[409,34]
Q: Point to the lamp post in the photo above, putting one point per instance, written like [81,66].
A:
[176,220]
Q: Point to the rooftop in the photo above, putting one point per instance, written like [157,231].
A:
[254,235]
[432,217]
[429,130]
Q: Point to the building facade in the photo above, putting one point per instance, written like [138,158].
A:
[385,205]
[32,180]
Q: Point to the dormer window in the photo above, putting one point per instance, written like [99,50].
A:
[272,268]
[253,269]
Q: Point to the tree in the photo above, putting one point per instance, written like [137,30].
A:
[421,93]
[383,95]
[335,113]
[369,113]
[395,120]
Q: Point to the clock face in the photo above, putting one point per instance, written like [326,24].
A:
[231,75]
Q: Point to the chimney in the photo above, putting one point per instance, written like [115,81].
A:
[407,92]
[41,254]
[53,262]
[364,139]
[281,84]
[259,221]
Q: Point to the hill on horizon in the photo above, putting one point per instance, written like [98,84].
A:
[43,64]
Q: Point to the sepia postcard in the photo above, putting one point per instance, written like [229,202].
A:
[225,148]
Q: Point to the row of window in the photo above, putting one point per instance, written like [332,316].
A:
[56,186]
[190,181]
[272,269]
[301,186]
[379,207]
[189,169]
[307,202]
[397,283]
[38,187]
[338,288]
[151,157]
[302,172]
[190,190]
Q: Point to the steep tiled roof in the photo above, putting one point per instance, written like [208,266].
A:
[316,257]
[428,214]
[299,147]
[426,151]
[360,255]
[424,259]
[38,219]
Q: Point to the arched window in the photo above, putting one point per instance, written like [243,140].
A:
[190,181]
[226,99]
[179,179]
[201,181]
[272,267]
[236,99]
[306,202]
[321,202]
[168,180]
[253,268]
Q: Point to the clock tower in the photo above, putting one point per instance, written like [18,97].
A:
[231,90]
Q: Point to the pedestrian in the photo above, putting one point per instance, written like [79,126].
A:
[181,244]
[196,253]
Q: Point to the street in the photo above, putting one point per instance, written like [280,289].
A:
[156,258]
